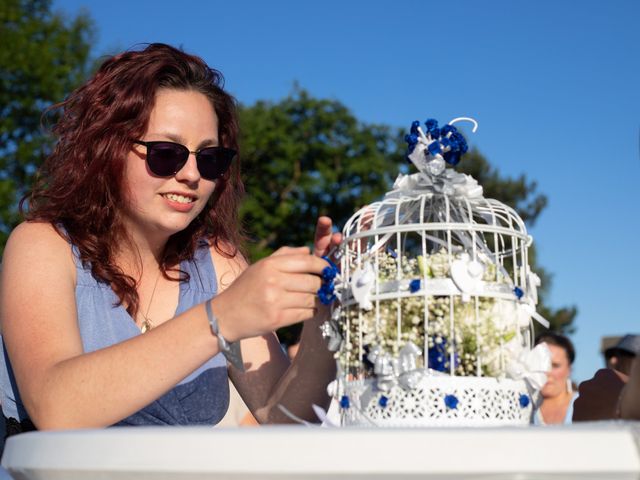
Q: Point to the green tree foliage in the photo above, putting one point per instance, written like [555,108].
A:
[43,56]
[303,157]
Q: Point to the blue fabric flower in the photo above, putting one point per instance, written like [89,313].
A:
[328,274]
[414,127]
[452,158]
[437,359]
[447,129]
[451,401]
[460,142]
[325,293]
[412,141]
[524,400]
[414,285]
[434,148]
[382,401]
[431,124]
[344,402]
[518,292]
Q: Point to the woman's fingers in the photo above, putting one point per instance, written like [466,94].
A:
[291,251]
[297,263]
[303,283]
[322,237]
[294,300]
[297,315]
[325,239]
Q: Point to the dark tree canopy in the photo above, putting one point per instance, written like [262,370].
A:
[43,56]
[303,157]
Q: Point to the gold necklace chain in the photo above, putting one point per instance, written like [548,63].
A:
[147,324]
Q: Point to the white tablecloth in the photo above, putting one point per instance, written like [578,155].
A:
[598,450]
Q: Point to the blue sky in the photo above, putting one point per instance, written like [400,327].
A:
[554,85]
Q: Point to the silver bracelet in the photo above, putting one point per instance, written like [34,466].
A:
[231,351]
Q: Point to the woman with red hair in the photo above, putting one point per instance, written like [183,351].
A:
[124,293]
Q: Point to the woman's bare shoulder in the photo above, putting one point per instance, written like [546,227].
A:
[37,231]
[36,245]
[229,262]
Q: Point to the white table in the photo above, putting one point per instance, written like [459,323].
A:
[598,450]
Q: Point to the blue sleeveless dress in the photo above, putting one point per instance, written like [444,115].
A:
[202,398]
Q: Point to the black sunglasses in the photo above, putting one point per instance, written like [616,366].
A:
[167,158]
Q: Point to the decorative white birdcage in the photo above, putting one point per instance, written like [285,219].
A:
[434,324]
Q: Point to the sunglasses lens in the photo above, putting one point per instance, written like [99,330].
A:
[166,158]
[214,161]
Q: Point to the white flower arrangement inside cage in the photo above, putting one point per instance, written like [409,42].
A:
[436,300]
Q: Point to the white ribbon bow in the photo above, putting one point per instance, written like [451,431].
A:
[390,371]
[449,182]
[531,366]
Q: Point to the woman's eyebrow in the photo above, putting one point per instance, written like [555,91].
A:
[209,142]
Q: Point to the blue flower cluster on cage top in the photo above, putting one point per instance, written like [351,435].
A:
[445,141]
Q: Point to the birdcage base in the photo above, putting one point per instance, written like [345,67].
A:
[437,401]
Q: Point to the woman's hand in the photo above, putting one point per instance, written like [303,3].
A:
[325,240]
[276,291]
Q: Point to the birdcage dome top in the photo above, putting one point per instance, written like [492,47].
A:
[437,198]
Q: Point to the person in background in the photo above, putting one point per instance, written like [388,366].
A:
[628,402]
[557,393]
[612,393]
[621,356]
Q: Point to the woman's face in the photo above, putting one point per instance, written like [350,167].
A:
[162,206]
[560,372]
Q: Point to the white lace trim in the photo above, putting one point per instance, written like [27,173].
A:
[478,402]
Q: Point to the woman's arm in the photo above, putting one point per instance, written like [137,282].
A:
[60,385]
[63,387]
[270,379]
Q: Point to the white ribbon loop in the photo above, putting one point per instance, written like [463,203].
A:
[531,366]
[450,183]
[391,371]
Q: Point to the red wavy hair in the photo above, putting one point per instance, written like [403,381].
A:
[80,187]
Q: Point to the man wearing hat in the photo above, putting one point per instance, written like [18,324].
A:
[613,392]
[621,355]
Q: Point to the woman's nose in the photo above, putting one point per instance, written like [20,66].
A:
[189,171]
